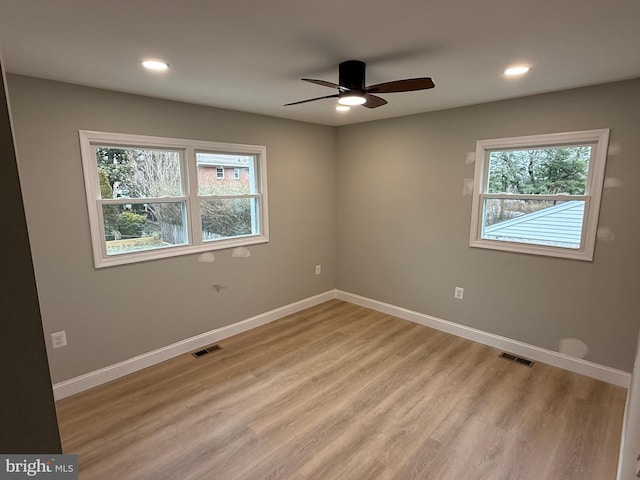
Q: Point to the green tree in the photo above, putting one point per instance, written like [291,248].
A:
[565,170]
[542,171]
[114,163]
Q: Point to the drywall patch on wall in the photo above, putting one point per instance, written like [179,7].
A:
[207,258]
[241,252]
[605,234]
[467,186]
[471,158]
[573,347]
[612,182]
[614,149]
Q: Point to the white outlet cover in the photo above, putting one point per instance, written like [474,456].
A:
[59,339]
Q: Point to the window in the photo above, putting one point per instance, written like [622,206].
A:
[539,194]
[220,172]
[236,173]
[153,197]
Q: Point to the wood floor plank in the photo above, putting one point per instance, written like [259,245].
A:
[339,391]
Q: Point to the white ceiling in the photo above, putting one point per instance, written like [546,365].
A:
[249,55]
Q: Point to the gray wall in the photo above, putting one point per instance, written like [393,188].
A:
[28,421]
[378,204]
[116,313]
[403,224]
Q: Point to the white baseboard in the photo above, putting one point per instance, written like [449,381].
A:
[112,372]
[577,365]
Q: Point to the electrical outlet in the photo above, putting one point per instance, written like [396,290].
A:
[318,269]
[458,293]
[59,339]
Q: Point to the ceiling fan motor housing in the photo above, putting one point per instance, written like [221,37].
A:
[351,75]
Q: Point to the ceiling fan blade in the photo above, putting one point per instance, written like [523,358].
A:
[407,85]
[373,101]
[325,84]
[311,100]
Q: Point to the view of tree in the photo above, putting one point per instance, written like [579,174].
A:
[545,171]
[114,164]
[144,173]
[539,171]
[155,174]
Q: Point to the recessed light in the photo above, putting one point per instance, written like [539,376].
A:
[343,108]
[517,70]
[155,65]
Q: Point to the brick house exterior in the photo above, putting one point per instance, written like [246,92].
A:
[224,169]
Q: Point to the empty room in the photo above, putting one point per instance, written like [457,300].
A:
[283,240]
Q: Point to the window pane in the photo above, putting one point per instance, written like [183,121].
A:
[540,171]
[225,174]
[228,217]
[538,222]
[138,172]
[143,226]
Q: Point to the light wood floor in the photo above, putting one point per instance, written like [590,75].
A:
[340,392]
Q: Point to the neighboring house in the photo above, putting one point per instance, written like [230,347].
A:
[214,169]
[559,225]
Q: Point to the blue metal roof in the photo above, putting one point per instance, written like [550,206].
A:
[559,226]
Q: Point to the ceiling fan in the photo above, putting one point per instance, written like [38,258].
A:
[353,91]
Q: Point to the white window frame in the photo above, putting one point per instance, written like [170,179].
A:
[599,138]
[220,173]
[187,149]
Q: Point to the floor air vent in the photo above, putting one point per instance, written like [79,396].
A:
[205,351]
[522,361]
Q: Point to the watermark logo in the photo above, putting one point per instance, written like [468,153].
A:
[51,467]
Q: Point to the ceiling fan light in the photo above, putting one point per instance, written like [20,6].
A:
[352,99]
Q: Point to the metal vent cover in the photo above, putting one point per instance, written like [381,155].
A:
[205,351]
[514,358]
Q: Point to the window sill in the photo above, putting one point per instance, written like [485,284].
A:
[547,251]
[175,251]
